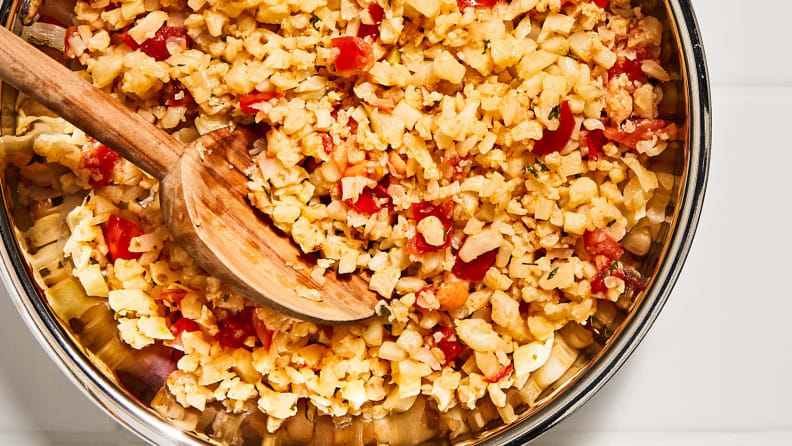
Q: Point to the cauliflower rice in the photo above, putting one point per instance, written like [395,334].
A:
[494,167]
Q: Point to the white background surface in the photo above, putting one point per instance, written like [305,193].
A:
[714,368]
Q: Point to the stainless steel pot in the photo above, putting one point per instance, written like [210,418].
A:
[123,393]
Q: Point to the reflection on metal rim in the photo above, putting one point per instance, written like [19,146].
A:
[149,426]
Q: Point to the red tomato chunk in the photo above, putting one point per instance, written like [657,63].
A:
[376,12]
[599,242]
[157,46]
[555,140]
[632,68]
[128,40]
[173,295]
[445,339]
[67,51]
[118,233]
[100,161]
[354,53]
[178,95]
[182,325]
[327,143]
[595,141]
[502,373]
[418,245]
[235,329]
[645,129]
[611,269]
[476,269]
[251,102]
[476,3]
[263,333]
[371,200]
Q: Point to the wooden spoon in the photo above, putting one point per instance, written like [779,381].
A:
[202,193]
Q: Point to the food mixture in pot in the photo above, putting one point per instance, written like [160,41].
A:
[495,168]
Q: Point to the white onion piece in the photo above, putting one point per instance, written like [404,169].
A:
[45,34]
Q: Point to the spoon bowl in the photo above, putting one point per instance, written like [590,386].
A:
[203,202]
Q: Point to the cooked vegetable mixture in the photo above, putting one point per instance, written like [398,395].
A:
[495,168]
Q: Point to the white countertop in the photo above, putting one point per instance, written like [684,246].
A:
[713,369]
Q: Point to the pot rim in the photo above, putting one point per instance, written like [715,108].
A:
[149,426]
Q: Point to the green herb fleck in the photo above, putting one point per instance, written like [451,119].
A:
[542,166]
[611,223]
[552,274]
[533,171]
[383,311]
[555,113]
[314,22]
[613,266]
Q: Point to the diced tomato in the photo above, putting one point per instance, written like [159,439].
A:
[599,242]
[263,333]
[177,95]
[442,212]
[67,51]
[235,329]
[601,3]
[351,122]
[418,245]
[598,284]
[555,140]
[502,373]
[182,325]
[353,126]
[173,295]
[354,53]
[595,140]
[459,169]
[327,143]
[476,3]
[376,12]
[118,233]
[251,103]
[446,340]
[611,269]
[128,40]
[645,129]
[157,46]
[476,269]
[632,68]
[371,200]
[100,161]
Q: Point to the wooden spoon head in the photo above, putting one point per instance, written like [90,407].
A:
[203,200]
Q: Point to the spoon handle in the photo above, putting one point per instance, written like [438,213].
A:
[85,106]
